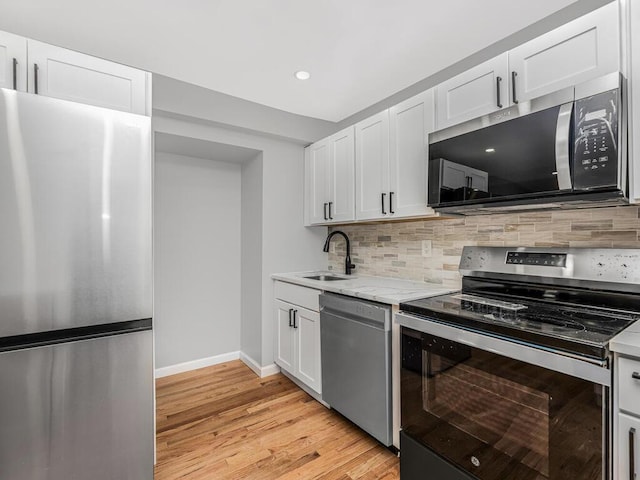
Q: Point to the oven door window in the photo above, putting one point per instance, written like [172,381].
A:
[499,418]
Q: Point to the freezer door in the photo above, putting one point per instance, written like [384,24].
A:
[78,410]
[75,214]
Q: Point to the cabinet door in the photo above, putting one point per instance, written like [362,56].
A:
[285,339]
[473,93]
[581,50]
[410,122]
[307,328]
[372,167]
[317,181]
[628,432]
[73,76]
[634,98]
[13,58]
[342,176]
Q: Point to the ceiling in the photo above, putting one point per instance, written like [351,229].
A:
[358,51]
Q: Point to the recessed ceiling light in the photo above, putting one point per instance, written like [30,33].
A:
[490,150]
[302,75]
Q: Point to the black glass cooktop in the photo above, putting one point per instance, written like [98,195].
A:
[572,320]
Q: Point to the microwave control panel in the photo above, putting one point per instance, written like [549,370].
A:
[595,159]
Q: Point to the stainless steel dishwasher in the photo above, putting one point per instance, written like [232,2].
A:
[356,362]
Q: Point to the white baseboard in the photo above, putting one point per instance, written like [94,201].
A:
[195,364]
[255,366]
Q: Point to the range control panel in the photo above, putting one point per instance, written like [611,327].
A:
[541,259]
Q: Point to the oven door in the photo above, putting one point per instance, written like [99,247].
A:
[474,413]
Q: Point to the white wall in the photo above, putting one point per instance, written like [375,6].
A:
[251,322]
[286,244]
[197,211]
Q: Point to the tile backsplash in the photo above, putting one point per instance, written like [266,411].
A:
[396,249]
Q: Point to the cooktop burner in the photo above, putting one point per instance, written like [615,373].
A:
[580,329]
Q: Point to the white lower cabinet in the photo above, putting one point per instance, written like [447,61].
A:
[307,340]
[627,418]
[628,439]
[298,333]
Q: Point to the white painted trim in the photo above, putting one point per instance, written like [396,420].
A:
[195,364]
[306,388]
[257,369]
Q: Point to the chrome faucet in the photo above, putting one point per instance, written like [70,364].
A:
[348,266]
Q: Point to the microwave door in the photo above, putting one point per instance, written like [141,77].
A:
[526,157]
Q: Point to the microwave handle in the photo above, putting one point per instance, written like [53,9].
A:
[563,147]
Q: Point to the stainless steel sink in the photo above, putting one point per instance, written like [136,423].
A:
[325,277]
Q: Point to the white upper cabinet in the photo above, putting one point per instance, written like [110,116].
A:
[68,75]
[633,71]
[581,50]
[409,126]
[329,179]
[479,91]
[30,66]
[372,167]
[317,181]
[341,206]
[391,160]
[13,62]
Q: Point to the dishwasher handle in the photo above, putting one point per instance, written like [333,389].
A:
[382,325]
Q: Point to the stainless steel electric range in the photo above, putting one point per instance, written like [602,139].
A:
[510,378]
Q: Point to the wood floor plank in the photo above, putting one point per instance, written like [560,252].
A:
[223,422]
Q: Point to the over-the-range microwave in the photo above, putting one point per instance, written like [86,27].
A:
[564,150]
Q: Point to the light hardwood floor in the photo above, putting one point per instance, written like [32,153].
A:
[223,422]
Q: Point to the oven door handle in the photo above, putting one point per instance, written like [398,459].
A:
[563,147]
[528,353]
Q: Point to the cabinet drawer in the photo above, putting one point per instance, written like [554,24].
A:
[629,387]
[298,295]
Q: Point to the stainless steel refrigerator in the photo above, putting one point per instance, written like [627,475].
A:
[76,369]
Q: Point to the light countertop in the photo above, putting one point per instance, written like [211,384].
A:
[627,342]
[392,291]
